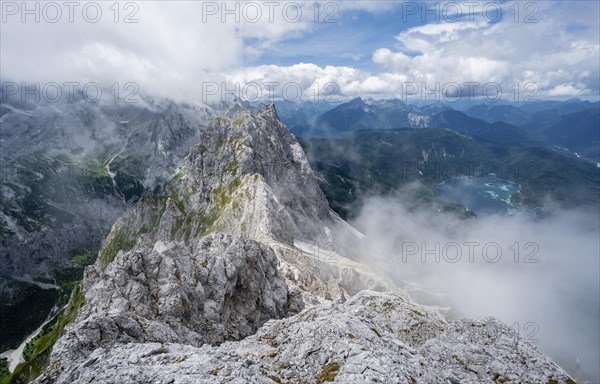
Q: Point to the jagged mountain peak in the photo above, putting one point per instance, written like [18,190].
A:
[220,251]
[253,155]
[224,252]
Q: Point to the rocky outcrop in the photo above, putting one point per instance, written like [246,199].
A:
[224,288]
[239,272]
[226,248]
[373,337]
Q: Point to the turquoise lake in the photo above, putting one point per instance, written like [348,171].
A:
[483,194]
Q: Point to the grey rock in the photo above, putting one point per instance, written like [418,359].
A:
[373,337]
[236,273]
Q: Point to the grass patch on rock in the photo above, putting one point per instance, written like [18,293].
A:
[37,351]
[328,373]
[117,241]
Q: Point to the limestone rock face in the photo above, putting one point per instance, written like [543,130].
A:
[372,337]
[223,289]
[256,174]
[213,257]
[239,272]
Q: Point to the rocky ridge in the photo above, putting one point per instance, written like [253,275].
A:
[240,272]
[372,337]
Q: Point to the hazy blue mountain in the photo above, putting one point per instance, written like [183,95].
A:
[360,114]
[492,113]
[572,124]
[556,107]
[578,132]
[498,132]
[297,113]
[435,108]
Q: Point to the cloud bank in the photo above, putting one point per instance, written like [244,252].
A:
[538,275]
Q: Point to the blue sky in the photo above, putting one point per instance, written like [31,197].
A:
[351,41]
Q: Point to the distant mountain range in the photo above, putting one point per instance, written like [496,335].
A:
[359,147]
[578,131]
[375,162]
[360,114]
[492,113]
[572,125]
[297,113]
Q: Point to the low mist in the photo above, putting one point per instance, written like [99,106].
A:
[538,275]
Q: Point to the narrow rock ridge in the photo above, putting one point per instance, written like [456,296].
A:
[372,337]
[214,257]
[209,282]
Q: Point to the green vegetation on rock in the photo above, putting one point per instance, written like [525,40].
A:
[20,318]
[222,193]
[95,178]
[180,174]
[37,351]
[328,373]
[83,260]
[4,372]
[95,168]
[232,168]
[117,241]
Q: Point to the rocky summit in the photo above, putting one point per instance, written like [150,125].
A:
[238,272]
